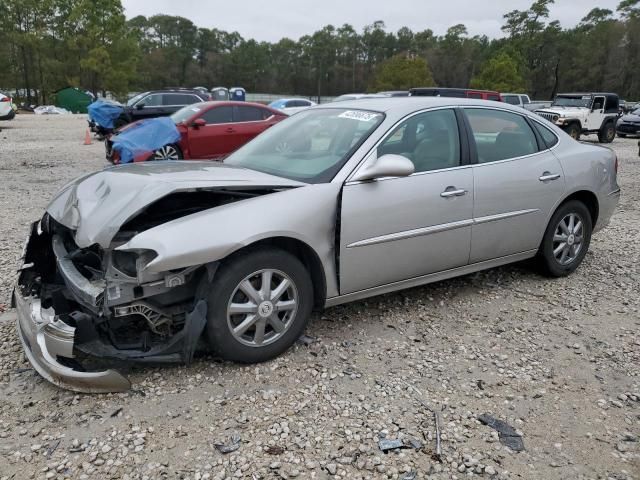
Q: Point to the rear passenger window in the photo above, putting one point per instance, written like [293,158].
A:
[547,135]
[430,140]
[247,114]
[500,135]
[474,95]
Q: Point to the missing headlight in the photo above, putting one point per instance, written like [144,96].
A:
[132,262]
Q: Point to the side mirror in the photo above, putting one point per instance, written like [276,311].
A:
[199,122]
[388,165]
[139,106]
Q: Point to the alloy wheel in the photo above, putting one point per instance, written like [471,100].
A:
[262,307]
[168,152]
[568,239]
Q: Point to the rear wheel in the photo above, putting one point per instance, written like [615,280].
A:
[566,240]
[259,303]
[168,152]
[574,131]
[607,133]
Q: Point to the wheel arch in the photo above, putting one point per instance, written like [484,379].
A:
[303,252]
[588,198]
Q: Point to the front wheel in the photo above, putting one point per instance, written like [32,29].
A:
[168,152]
[574,131]
[259,303]
[607,133]
[566,240]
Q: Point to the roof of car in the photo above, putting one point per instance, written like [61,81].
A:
[231,103]
[587,93]
[392,104]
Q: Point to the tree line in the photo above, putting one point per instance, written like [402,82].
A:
[46,45]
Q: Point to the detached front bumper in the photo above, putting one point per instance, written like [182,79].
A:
[44,338]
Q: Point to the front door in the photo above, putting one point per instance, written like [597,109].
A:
[597,115]
[517,182]
[393,229]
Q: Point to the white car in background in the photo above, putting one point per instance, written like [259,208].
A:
[359,96]
[6,108]
[292,105]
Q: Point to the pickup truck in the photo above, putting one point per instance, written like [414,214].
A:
[523,100]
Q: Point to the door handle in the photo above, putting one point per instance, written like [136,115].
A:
[230,130]
[452,192]
[546,177]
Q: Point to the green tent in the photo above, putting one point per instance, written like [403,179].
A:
[73,99]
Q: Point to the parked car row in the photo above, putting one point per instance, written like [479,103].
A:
[207,130]
[150,262]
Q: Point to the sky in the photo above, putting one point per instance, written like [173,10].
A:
[271,20]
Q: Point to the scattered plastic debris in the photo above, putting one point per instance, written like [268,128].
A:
[274,450]
[387,445]
[409,476]
[506,433]
[116,412]
[306,340]
[232,446]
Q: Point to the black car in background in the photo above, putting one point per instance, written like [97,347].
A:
[154,103]
[629,124]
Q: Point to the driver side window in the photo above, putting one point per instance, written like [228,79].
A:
[598,103]
[430,140]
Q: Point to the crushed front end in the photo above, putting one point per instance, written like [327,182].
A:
[78,307]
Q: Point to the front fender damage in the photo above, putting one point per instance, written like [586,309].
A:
[68,335]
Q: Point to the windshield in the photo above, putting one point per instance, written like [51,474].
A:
[185,113]
[577,101]
[277,104]
[310,146]
[135,98]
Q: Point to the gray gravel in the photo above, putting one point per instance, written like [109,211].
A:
[559,360]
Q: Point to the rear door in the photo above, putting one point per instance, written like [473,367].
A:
[214,139]
[517,182]
[172,102]
[248,122]
[148,107]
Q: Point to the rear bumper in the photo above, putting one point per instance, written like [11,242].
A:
[9,116]
[44,337]
[608,206]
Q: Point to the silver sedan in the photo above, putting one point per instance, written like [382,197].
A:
[153,262]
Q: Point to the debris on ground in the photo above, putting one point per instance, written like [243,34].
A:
[231,446]
[506,433]
[306,340]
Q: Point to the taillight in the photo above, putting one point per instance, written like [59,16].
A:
[5,99]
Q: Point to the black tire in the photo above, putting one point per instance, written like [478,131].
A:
[574,131]
[223,290]
[607,133]
[547,260]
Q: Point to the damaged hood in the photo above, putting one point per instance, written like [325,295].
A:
[97,205]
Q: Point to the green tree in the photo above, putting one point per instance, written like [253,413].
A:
[501,74]
[402,73]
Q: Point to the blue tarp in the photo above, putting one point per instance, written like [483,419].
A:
[141,139]
[104,113]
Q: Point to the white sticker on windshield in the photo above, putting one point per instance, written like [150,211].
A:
[359,115]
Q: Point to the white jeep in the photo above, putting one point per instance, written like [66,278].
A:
[584,113]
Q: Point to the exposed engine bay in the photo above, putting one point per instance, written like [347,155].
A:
[105,299]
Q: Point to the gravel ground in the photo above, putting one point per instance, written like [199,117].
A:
[559,360]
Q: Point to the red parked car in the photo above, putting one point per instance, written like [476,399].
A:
[210,130]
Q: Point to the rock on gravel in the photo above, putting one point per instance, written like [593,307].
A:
[559,360]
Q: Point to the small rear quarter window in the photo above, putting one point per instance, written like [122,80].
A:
[547,135]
